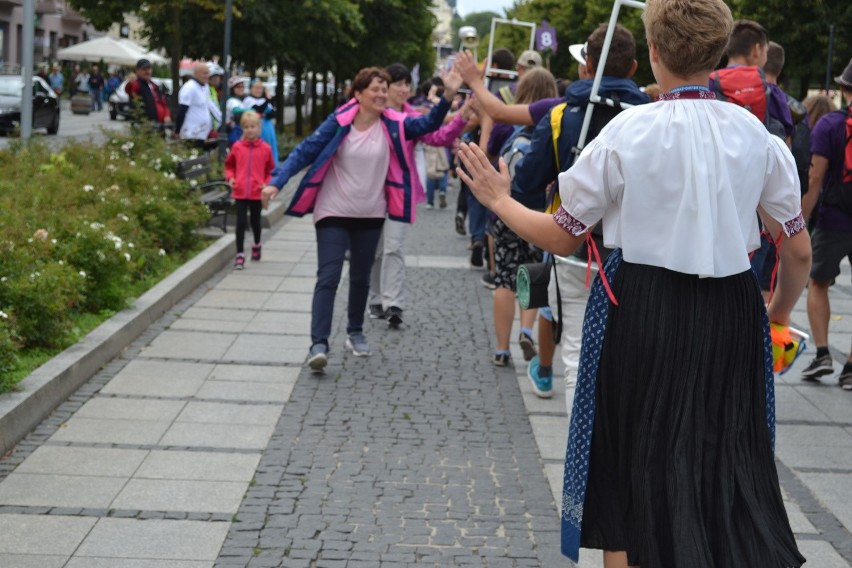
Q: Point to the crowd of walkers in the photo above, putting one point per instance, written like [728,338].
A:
[704,203]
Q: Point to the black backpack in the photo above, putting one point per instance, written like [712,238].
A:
[801,147]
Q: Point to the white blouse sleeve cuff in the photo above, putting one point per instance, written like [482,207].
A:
[568,222]
[795,226]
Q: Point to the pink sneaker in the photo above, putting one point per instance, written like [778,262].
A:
[255,252]
[239,262]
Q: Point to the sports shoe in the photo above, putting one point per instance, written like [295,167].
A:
[488,281]
[429,206]
[501,359]
[255,252]
[819,366]
[442,200]
[240,262]
[318,357]
[460,224]
[527,346]
[476,254]
[845,380]
[358,344]
[542,385]
[377,312]
[394,317]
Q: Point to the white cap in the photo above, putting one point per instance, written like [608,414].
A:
[578,50]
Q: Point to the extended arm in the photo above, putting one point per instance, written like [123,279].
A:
[491,188]
[490,103]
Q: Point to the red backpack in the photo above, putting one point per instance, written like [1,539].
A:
[745,86]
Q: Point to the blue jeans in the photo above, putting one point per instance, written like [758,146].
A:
[432,185]
[97,101]
[477,217]
[332,243]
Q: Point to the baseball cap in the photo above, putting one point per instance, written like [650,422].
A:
[579,50]
[529,59]
[143,63]
[845,78]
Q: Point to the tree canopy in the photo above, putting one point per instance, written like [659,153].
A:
[802,28]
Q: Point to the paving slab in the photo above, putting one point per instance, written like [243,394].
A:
[201,466]
[236,436]
[289,302]
[44,490]
[226,413]
[111,431]
[218,326]
[247,390]
[180,495]
[53,535]
[247,281]
[219,314]
[821,554]
[90,562]
[245,300]
[32,561]
[109,408]
[255,373]
[153,539]
[159,378]
[834,490]
[190,345]
[263,348]
[303,285]
[281,322]
[97,462]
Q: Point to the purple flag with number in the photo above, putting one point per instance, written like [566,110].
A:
[545,38]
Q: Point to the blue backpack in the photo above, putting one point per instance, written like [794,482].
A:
[513,151]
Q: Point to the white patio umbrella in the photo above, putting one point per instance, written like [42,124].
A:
[111,50]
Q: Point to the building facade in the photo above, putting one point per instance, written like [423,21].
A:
[56,26]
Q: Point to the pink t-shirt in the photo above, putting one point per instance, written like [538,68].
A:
[354,185]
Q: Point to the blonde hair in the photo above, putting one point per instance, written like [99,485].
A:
[249,117]
[536,84]
[818,106]
[690,35]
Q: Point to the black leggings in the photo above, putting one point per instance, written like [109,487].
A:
[244,206]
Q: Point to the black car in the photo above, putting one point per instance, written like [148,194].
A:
[45,104]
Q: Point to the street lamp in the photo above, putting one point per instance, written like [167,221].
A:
[469,39]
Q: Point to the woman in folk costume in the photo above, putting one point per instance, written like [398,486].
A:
[670,454]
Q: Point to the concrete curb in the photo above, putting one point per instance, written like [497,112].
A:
[52,383]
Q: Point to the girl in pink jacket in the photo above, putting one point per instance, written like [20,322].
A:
[248,168]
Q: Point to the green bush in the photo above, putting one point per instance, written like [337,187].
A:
[83,229]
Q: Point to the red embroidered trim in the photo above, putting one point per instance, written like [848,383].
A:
[569,222]
[688,94]
[795,226]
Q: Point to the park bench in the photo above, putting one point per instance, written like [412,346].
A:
[215,194]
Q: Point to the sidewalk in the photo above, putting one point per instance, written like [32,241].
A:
[207,444]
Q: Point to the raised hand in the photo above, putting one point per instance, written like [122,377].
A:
[487,184]
[467,68]
[452,83]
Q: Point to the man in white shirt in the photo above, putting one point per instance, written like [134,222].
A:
[196,109]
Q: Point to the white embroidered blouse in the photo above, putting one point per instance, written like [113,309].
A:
[677,184]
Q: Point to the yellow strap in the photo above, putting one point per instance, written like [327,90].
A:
[507,95]
[556,129]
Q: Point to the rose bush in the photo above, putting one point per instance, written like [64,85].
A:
[82,229]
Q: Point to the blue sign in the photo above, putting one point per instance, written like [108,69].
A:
[545,37]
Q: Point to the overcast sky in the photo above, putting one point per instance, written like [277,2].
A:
[465,7]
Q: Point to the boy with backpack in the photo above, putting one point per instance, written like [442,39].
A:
[744,83]
[831,190]
[552,150]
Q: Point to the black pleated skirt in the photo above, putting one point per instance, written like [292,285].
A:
[682,473]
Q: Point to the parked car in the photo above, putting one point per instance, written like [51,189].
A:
[45,104]
[119,101]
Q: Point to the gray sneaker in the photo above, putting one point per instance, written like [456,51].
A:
[358,344]
[818,367]
[318,357]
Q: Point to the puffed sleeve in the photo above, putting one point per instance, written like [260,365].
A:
[588,188]
[781,197]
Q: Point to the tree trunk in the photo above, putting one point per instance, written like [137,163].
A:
[299,71]
[314,101]
[279,97]
[175,53]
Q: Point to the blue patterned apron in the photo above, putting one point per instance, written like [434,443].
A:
[578,454]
